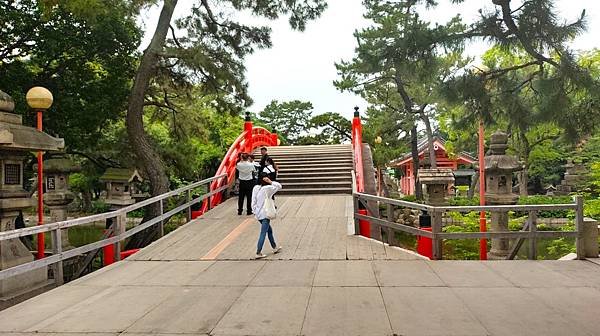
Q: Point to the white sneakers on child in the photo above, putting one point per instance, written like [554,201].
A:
[260,256]
[277,249]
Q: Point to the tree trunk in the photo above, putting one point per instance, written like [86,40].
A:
[145,152]
[415,161]
[474,185]
[425,118]
[147,156]
[523,178]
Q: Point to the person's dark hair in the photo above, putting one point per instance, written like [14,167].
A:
[260,179]
[251,156]
[265,148]
[244,157]
[269,161]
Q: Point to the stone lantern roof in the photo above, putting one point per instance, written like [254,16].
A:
[498,161]
[61,165]
[436,176]
[121,175]
[15,136]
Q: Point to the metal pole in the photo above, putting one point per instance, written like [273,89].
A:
[482,223]
[40,237]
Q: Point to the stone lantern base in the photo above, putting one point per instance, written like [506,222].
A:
[14,253]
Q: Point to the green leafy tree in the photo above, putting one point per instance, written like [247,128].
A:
[332,128]
[398,61]
[86,62]
[290,119]
[210,53]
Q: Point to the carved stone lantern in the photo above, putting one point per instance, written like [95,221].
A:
[436,182]
[16,143]
[120,186]
[58,196]
[499,169]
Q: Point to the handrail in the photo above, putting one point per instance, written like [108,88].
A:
[259,136]
[120,231]
[436,220]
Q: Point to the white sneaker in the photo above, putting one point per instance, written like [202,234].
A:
[260,256]
[277,249]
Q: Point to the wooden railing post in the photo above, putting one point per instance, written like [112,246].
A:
[532,219]
[579,241]
[119,226]
[57,250]
[391,233]
[355,210]
[436,227]
[188,198]
[161,226]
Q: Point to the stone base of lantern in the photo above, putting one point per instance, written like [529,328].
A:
[14,253]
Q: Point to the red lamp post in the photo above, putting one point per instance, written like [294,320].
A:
[482,223]
[40,99]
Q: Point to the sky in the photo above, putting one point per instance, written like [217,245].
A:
[300,65]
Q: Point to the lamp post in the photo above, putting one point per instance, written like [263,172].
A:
[39,99]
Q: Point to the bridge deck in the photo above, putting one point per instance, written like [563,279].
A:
[198,280]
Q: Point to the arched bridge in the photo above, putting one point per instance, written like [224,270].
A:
[201,279]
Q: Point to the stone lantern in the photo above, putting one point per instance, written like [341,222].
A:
[499,169]
[436,182]
[57,196]
[16,143]
[120,186]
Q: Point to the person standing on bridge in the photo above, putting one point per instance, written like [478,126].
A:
[264,190]
[245,169]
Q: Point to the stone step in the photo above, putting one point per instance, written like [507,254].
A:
[314,165]
[311,173]
[319,185]
[310,159]
[305,191]
[325,178]
[341,169]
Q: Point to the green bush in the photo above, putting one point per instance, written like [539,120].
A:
[543,199]
[100,206]
[591,208]
[463,201]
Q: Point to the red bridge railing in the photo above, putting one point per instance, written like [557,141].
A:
[357,150]
[251,138]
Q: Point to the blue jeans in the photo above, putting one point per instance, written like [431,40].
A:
[265,229]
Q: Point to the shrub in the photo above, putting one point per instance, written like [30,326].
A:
[100,206]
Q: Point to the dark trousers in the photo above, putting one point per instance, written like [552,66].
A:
[245,192]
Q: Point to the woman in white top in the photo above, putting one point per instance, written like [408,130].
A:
[265,189]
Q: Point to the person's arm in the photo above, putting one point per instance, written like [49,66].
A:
[254,200]
[271,189]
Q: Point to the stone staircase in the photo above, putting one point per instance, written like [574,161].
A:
[322,169]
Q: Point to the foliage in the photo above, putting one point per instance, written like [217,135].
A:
[332,128]
[289,119]
[99,206]
[542,199]
[591,208]
[86,63]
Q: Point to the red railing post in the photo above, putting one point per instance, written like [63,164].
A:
[248,133]
[357,149]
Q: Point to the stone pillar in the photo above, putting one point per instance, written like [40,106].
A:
[590,237]
[499,168]
[436,182]
[57,196]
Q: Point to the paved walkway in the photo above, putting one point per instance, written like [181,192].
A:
[198,280]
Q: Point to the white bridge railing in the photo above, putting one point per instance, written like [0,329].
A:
[119,230]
